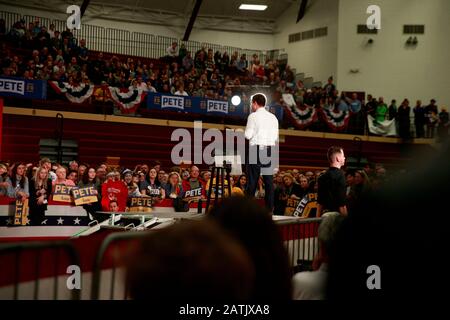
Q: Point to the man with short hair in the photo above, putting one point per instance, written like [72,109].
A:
[73,165]
[161,178]
[332,186]
[311,285]
[262,133]
[101,174]
[194,181]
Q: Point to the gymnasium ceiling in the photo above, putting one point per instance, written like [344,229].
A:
[213,14]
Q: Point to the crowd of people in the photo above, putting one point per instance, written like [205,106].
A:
[59,56]
[382,233]
[115,187]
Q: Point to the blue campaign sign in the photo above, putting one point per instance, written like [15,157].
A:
[163,101]
[19,87]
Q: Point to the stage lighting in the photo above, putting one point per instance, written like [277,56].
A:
[236,100]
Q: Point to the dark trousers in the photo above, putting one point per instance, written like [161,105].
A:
[253,173]
[420,130]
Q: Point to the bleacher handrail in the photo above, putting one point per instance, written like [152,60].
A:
[120,41]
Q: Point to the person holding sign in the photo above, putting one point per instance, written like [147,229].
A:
[114,190]
[154,188]
[262,133]
[173,188]
[5,181]
[291,195]
[133,189]
[194,181]
[19,187]
[40,189]
[61,173]
[89,180]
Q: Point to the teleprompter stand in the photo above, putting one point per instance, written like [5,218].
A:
[218,176]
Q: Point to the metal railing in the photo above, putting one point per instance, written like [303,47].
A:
[120,41]
[111,243]
[24,254]
[301,241]
[109,267]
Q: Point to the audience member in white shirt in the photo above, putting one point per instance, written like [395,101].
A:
[172,51]
[311,285]
[180,91]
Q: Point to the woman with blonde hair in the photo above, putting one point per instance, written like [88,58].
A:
[40,189]
[173,187]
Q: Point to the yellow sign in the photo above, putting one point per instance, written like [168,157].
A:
[307,207]
[141,204]
[21,214]
[291,204]
[62,193]
[84,195]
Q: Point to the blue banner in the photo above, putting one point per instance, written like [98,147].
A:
[19,87]
[197,105]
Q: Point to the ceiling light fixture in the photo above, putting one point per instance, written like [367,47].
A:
[254,7]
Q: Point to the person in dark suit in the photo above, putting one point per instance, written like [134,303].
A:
[331,195]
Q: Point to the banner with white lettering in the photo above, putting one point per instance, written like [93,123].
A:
[197,105]
[24,88]
[307,206]
[176,102]
[217,106]
[193,194]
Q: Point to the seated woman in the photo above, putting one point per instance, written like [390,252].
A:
[5,181]
[40,189]
[89,179]
[19,187]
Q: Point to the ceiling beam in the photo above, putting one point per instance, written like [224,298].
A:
[302,10]
[84,7]
[190,25]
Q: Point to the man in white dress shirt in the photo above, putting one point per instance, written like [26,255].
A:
[262,133]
